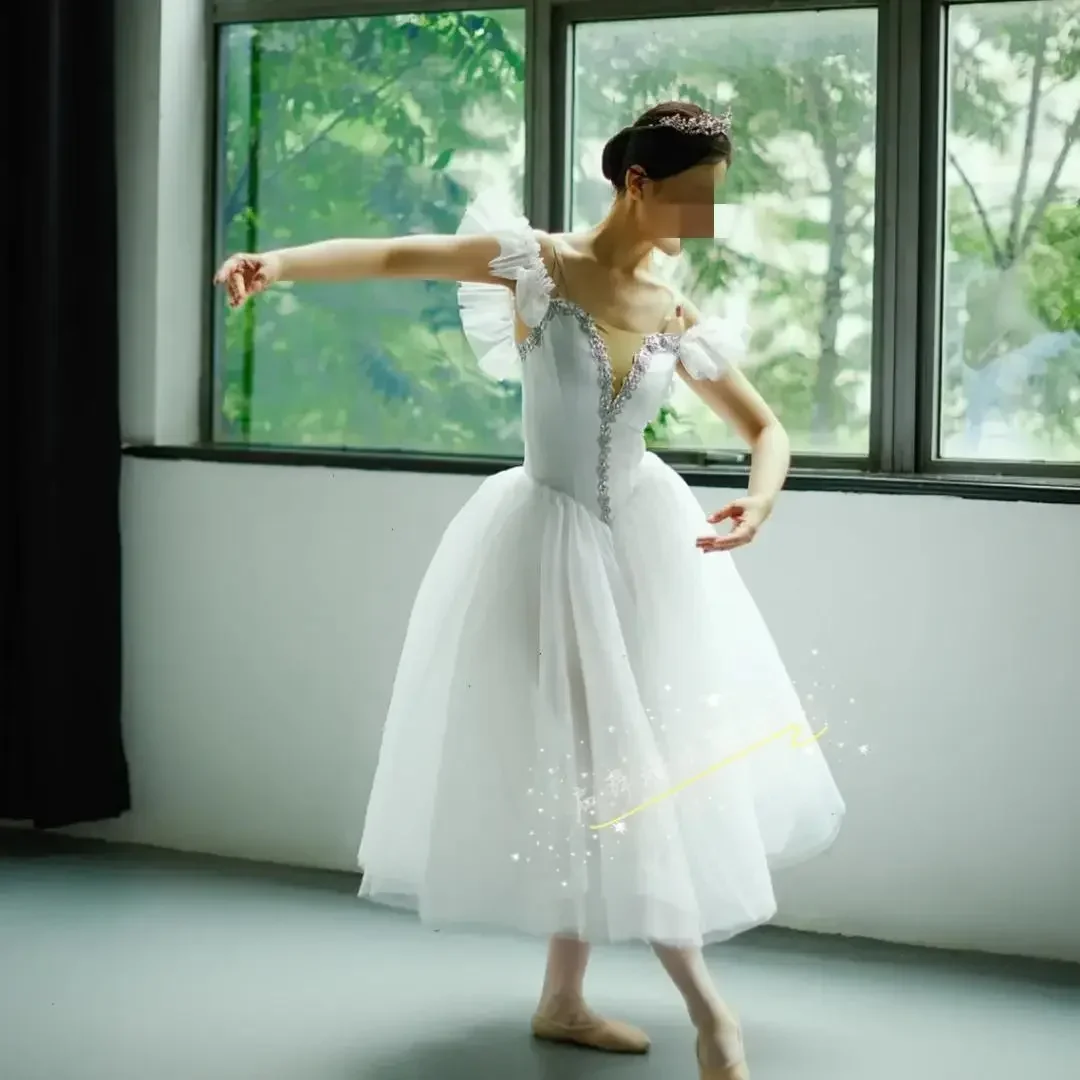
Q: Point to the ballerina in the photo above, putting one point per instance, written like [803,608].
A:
[582,642]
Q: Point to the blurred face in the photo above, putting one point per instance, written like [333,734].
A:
[679,208]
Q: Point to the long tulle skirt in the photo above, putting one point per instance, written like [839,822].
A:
[591,730]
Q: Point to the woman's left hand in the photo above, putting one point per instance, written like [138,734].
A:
[746,515]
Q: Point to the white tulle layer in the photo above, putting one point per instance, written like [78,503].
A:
[556,673]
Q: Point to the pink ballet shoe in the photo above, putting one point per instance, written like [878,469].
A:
[595,1033]
[734,1069]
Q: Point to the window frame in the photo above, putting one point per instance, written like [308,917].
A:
[909,222]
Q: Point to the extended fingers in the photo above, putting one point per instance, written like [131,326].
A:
[241,275]
[729,512]
[229,267]
[738,537]
[237,288]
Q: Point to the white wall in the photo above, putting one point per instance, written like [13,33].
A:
[264,609]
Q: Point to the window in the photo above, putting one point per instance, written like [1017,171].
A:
[795,220]
[899,233]
[1010,333]
[362,127]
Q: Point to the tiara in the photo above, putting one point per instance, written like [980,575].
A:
[702,124]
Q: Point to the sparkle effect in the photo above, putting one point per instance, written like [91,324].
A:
[797,742]
[583,793]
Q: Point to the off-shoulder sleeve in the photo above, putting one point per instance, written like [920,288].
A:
[712,347]
[487,311]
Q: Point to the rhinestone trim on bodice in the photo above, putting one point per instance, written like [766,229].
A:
[610,402]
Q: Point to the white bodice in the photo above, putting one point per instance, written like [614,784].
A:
[582,438]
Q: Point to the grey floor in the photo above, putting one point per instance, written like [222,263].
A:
[124,965]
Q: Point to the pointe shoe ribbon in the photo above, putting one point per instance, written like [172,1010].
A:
[612,1036]
[735,1069]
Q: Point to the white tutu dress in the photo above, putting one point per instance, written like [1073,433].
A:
[571,655]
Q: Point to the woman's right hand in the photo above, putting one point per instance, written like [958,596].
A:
[245,275]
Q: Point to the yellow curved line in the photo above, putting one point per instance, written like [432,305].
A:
[791,729]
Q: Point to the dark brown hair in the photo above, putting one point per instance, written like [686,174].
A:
[662,151]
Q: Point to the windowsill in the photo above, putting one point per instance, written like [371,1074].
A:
[722,474]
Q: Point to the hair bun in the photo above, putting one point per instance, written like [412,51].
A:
[613,161]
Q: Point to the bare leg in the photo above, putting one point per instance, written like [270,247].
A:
[563,1016]
[563,996]
[719,1040]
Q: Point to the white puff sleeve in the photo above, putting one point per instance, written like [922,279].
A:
[487,311]
[712,347]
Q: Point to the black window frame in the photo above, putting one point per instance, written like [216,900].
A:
[907,262]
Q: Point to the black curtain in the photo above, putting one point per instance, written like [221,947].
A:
[61,752]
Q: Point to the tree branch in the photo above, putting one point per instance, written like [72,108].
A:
[1034,101]
[235,202]
[995,249]
[860,219]
[1072,133]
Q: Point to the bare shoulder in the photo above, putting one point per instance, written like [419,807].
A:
[551,246]
[676,300]
[569,244]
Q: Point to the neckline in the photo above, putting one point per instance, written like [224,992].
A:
[595,322]
[612,400]
[615,399]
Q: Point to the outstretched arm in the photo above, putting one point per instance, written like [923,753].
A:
[439,258]
[436,258]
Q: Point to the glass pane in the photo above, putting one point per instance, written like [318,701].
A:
[363,127]
[793,254]
[1010,339]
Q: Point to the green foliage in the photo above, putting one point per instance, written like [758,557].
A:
[1052,270]
[350,127]
[1013,256]
[386,125]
